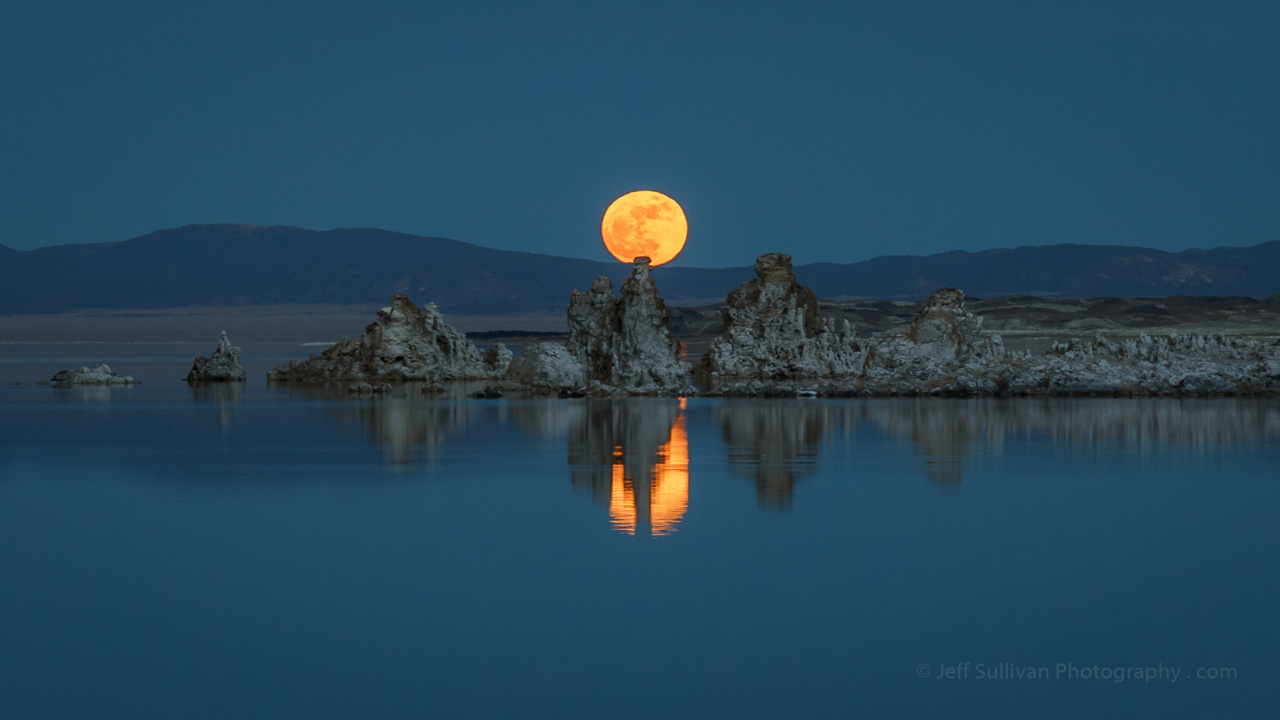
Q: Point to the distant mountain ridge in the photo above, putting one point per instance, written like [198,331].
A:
[215,265]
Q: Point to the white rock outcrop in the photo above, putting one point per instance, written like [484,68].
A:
[1145,365]
[624,343]
[772,331]
[222,366]
[944,341]
[546,365]
[96,375]
[774,343]
[405,343]
[946,329]
[497,358]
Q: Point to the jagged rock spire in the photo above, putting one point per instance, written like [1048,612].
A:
[946,326]
[222,366]
[626,341]
[405,343]
[773,331]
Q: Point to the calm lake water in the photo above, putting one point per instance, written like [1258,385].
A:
[265,552]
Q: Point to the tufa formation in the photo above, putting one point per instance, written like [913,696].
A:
[404,344]
[625,342]
[772,331]
[222,366]
[84,376]
[618,344]
[773,341]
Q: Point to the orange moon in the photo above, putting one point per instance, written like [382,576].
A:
[646,223]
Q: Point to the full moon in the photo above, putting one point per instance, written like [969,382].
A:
[645,223]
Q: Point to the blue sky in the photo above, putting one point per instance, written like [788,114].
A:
[836,132]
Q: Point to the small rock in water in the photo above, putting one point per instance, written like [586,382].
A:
[223,366]
[97,375]
[545,365]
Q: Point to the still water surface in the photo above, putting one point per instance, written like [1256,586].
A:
[269,552]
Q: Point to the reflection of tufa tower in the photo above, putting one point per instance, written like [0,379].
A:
[775,443]
[940,430]
[634,457]
[667,488]
[404,427]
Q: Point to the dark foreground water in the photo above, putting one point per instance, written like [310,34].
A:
[261,552]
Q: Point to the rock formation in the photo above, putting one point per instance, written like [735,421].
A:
[772,331]
[775,343]
[97,375]
[944,354]
[624,343]
[1145,365]
[496,359]
[222,366]
[404,344]
[546,365]
[943,347]
[945,328]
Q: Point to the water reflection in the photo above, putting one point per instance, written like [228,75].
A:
[407,426]
[222,392]
[775,443]
[226,395]
[551,419]
[91,394]
[940,431]
[943,432]
[343,392]
[632,456]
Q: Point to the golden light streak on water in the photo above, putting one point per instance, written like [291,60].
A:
[667,498]
[622,499]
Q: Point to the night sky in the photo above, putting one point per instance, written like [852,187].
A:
[836,132]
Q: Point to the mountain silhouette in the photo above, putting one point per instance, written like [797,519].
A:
[226,265]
